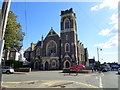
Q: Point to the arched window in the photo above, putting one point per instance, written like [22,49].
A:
[67,47]
[51,48]
[38,51]
[53,63]
[67,24]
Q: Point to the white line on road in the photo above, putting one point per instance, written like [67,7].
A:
[100,84]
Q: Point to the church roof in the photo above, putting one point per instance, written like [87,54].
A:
[38,44]
[29,49]
[51,33]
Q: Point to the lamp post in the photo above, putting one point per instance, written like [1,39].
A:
[98,57]
[98,53]
[3,22]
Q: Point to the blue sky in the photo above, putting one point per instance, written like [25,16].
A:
[96,24]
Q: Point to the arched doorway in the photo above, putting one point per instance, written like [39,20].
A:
[46,66]
[67,64]
[36,65]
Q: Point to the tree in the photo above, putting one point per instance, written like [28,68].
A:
[13,34]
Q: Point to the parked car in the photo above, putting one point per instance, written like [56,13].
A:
[77,67]
[118,70]
[104,70]
[8,70]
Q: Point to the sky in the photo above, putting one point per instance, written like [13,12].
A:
[97,24]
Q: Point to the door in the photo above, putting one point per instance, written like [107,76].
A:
[46,66]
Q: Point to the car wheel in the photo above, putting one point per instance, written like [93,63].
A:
[8,72]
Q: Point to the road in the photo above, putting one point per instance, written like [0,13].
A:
[97,80]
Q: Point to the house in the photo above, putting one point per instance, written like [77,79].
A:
[16,53]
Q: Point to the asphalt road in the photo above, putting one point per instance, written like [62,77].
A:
[100,80]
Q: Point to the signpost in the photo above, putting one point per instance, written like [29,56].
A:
[3,22]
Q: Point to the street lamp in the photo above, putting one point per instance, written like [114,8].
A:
[98,58]
[98,52]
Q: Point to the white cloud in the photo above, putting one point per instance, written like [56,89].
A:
[104,32]
[114,29]
[113,41]
[111,4]
[114,19]
[108,32]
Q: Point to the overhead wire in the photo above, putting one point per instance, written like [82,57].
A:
[26,27]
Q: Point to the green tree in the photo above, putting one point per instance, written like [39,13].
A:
[13,63]
[13,34]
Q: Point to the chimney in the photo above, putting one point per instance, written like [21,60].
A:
[32,46]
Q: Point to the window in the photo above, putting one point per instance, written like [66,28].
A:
[67,24]
[53,63]
[66,37]
[51,48]
[11,54]
[67,47]
[38,51]
[79,66]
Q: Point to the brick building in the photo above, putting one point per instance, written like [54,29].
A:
[58,51]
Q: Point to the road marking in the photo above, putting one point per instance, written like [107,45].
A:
[53,82]
[100,84]
[86,84]
[20,82]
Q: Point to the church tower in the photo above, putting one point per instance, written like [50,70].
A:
[69,38]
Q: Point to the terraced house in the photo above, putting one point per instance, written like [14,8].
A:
[58,51]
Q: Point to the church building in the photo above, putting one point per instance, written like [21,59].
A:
[58,51]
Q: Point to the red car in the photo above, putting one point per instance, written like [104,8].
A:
[78,67]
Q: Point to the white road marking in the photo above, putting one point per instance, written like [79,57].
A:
[100,84]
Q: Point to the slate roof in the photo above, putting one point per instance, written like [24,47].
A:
[38,43]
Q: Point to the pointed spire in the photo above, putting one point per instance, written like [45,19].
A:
[42,37]
[51,28]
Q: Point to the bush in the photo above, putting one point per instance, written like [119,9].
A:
[13,63]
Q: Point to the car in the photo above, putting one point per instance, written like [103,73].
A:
[8,70]
[118,70]
[104,70]
[77,67]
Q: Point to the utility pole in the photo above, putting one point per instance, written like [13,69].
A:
[98,54]
[98,57]
[3,22]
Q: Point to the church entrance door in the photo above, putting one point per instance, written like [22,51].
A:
[36,65]
[67,64]
[46,66]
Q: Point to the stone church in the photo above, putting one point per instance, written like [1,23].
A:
[58,51]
